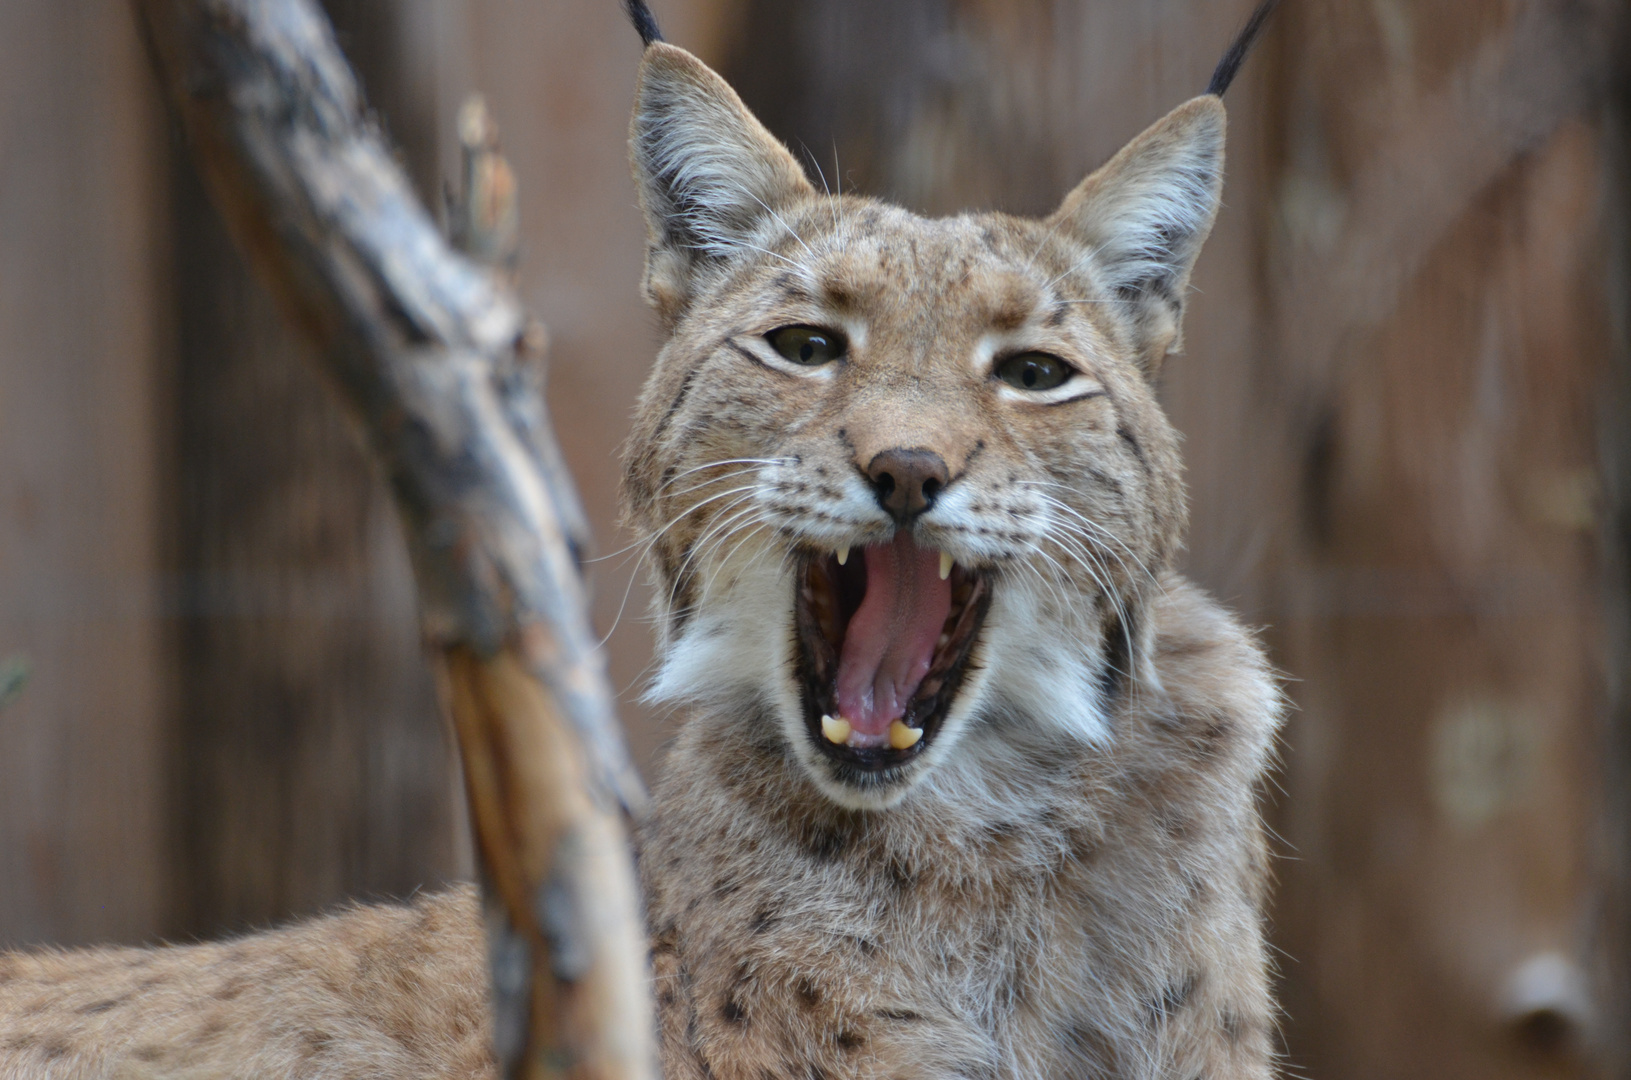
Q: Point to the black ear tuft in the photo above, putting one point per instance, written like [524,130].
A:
[1230,64]
[644,21]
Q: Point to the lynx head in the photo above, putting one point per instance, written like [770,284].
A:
[905,482]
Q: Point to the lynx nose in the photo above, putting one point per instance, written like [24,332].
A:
[907,481]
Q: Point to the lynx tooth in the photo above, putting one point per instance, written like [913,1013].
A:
[843,554]
[945,566]
[836,729]
[902,737]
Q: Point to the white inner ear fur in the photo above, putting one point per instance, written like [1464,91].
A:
[1145,214]
[708,171]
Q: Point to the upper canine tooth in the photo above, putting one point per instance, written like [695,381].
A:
[843,554]
[836,729]
[902,737]
[945,566]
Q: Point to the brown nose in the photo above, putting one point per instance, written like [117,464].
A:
[907,481]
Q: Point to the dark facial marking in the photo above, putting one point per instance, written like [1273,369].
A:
[840,295]
[1175,824]
[743,350]
[674,406]
[1118,654]
[1103,479]
[102,1006]
[808,993]
[904,1016]
[1215,738]
[1172,999]
[1012,310]
[1092,1047]
[1132,443]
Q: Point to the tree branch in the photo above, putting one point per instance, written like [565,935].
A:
[431,354]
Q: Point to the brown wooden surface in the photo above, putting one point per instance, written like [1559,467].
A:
[1443,340]
[1612,932]
[82,842]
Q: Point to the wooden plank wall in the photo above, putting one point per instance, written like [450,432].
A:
[1440,273]
[313,763]
[1397,399]
[81,435]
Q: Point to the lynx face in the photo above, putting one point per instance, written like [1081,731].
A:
[905,481]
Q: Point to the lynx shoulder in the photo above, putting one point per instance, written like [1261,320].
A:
[967,782]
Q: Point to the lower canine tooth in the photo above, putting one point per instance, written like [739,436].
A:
[945,566]
[836,729]
[902,737]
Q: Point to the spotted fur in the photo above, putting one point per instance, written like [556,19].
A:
[373,992]
[1066,882]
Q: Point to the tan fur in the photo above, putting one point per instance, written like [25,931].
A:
[381,991]
[1066,881]
[1099,920]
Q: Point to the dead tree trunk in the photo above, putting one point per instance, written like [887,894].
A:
[433,357]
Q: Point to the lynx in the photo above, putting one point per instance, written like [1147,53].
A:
[967,787]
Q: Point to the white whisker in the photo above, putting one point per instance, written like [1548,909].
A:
[646,544]
[722,461]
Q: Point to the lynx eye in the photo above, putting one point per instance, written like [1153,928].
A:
[1033,371]
[807,345]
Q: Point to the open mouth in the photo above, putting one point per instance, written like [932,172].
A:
[884,642]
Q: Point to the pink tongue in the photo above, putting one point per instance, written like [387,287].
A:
[891,637]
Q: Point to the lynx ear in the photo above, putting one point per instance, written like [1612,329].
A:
[707,170]
[1144,215]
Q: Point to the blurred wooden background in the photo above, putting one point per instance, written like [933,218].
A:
[1405,403]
